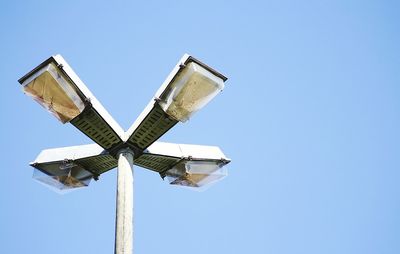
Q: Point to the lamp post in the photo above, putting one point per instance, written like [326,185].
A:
[124,210]
[188,88]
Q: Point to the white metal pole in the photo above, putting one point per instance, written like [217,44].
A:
[124,213]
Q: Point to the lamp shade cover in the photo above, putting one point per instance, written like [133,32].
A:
[196,174]
[62,176]
[191,89]
[52,90]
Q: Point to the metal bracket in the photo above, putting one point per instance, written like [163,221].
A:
[67,164]
[126,149]
[88,102]
[163,175]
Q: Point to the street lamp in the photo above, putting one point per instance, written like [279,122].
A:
[188,88]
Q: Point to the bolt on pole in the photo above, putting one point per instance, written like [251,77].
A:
[124,207]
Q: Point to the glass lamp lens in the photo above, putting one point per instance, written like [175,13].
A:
[196,173]
[190,91]
[62,177]
[51,90]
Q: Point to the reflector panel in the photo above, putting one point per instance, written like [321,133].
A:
[62,175]
[51,90]
[190,173]
[190,90]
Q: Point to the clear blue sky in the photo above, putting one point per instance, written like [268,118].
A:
[310,117]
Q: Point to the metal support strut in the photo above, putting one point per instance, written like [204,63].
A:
[124,213]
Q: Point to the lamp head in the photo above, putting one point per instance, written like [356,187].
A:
[51,87]
[193,86]
[196,174]
[57,88]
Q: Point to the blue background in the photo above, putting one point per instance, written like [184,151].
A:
[309,117]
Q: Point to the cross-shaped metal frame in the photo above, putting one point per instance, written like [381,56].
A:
[95,122]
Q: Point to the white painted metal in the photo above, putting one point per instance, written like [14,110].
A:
[85,91]
[70,153]
[124,213]
[157,148]
[171,76]
[185,151]
[138,120]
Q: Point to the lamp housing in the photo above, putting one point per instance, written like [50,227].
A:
[196,173]
[189,87]
[72,167]
[56,87]
[192,88]
[54,91]
[63,176]
[193,166]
